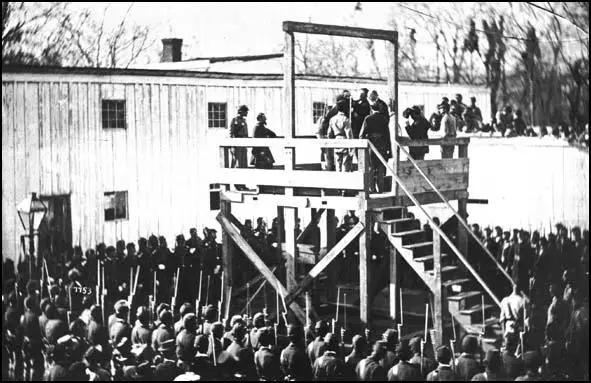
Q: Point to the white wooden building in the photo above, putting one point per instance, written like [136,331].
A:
[127,153]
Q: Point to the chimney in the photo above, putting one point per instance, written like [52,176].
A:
[171,50]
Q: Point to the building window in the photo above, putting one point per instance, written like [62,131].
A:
[116,206]
[217,114]
[114,114]
[214,196]
[319,109]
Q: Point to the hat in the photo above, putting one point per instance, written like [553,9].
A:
[443,355]
[120,305]
[469,344]
[74,274]
[473,98]
[258,320]
[243,108]
[260,116]
[165,317]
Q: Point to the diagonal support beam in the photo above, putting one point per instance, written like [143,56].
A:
[325,261]
[260,265]
[236,222]
[313,223]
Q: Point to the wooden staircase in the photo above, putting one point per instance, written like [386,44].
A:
[465,299]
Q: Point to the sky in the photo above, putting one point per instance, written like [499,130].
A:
[226,29]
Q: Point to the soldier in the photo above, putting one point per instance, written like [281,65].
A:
[167,369]
[253,339]
[417,359]
[228,337]
[375,128]
[449,125]
[443,372]
[98,335]
[29,324]
[460,106]
[466,364]
[493,368]
[164,332]
[532,361]
[358,353]
[209,316]
[185,309]
[513,366]
[558,311]
[317,347]
[512,308]
[294,361]
[141,334]
[215,348]
[370,368]
[239,129]
[201,362]
[120,328]
[243,357]
[340,128]
[329,366]
[390,336]
[55,327]
[185,340]
[404,370]
[266,361]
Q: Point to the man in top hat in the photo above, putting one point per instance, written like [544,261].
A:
[239,129]
[443,372]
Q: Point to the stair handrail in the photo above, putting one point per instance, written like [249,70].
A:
[434,225]
[458,216]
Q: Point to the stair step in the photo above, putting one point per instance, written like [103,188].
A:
[418,245]
[407,233]
[389,212]
[396,220]
[386,208]
[445,269]
[464,295]
[458,281]
[476,309]
[457,285]
[427,258]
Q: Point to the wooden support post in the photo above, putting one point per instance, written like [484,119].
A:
[395,308]
[227,254]
[364,269]
[393,90]
[289,86]
[437,292]
[290,215]
[331,228]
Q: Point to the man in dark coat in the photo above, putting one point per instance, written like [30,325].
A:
[55,327]
[358,353]
[243,357]
[164,332]
[513,366]
[382,106]
[329,366]
[317,347]
[185,340]
[418,130]
[390,359]
[262,156]
[141,333]
[443,372]
[266,361]
[361,109]
[294,361]
[370,369]
[31,332]
[427,363]
[120,328]
[375,128]
[522,263]
[466,364]
[404,371]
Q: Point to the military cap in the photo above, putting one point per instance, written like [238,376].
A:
[121,305]
[236,319]
[403,350]
[415,344]
[238,331]
[443,355]
[190,321]
[186,308]
[390,336]
[331,342]
[473,98]
[243,108]
[165,317]
[258,320]
[469,344]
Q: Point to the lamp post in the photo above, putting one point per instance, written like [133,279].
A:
[31,212]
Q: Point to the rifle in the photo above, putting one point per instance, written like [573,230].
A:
[452,343]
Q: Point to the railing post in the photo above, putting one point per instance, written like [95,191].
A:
[364,168]
[463,151]
[437,291]
[395,307]
[462,233]
[364,261]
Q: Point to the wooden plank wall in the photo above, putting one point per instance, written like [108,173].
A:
[53,144]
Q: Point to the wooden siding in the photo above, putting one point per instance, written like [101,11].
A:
[53,143]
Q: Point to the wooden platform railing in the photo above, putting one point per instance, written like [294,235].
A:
[290,175]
